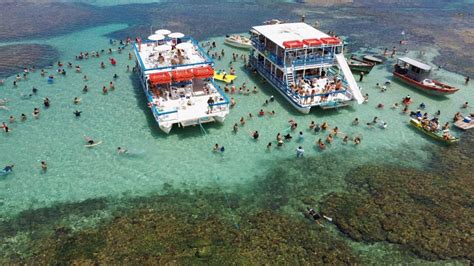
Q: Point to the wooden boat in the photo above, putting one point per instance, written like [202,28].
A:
[466,123]
[359,65]
[437,135]
[238,41]
[416,74]
[373,59]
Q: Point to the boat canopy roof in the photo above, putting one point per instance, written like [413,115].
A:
[203,72]
[281,33]
[415,63]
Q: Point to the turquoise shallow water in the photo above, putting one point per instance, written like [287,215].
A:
[182,159]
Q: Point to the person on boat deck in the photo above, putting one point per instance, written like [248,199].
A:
[210,103]
[8,168]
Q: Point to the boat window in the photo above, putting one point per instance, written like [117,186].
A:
[338,49]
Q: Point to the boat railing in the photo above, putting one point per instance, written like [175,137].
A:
[270,55]
[262,69]
[313,60]
[222,105]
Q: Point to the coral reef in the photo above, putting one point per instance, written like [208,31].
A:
[184,229]
[15,57]
[429,212]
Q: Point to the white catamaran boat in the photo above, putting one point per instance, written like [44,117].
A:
[303,64]
[177,77]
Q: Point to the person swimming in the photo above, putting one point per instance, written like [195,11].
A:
[8,168]
[89,140]
[77,100]
[36,113]
[288,137]
[121,150]
[77,113]
[313,214]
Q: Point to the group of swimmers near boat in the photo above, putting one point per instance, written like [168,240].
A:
[47,103]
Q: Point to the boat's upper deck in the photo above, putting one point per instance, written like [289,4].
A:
[282,34]
[169,54]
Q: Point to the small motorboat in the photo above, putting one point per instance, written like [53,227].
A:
[238,41]
[373,59]
[437,134]
[358,65]
[466,123]
[417,73]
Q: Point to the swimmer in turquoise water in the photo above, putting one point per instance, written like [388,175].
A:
[121,150]
[8,168]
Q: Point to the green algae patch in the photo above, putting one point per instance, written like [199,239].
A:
[428,212]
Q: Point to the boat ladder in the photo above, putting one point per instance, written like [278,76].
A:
[203,131]
[290,79]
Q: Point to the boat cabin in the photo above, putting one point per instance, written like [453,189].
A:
[413,69]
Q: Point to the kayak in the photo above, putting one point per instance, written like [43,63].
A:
[437,135]
[228,78]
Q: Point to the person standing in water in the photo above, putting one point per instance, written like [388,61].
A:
[44,166]
[299,152]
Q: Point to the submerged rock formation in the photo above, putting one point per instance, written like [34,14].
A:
[16,57]
[429,212]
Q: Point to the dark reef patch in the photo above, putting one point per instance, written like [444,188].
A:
[183,228]
[428,212]
[27,20]
[16,57]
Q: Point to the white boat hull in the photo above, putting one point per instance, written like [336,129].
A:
[220,118]
[166,127]
[238,44]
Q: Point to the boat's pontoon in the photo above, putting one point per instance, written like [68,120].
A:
[177,77]
[304,64]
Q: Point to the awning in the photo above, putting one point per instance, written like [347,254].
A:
[156,37]
[415,63]
[160,78]
[293,44]
[313,42]
[203,72]
[182,75]
[331,40]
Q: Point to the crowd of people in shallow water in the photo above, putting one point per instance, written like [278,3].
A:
[324,134]
[62,70]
